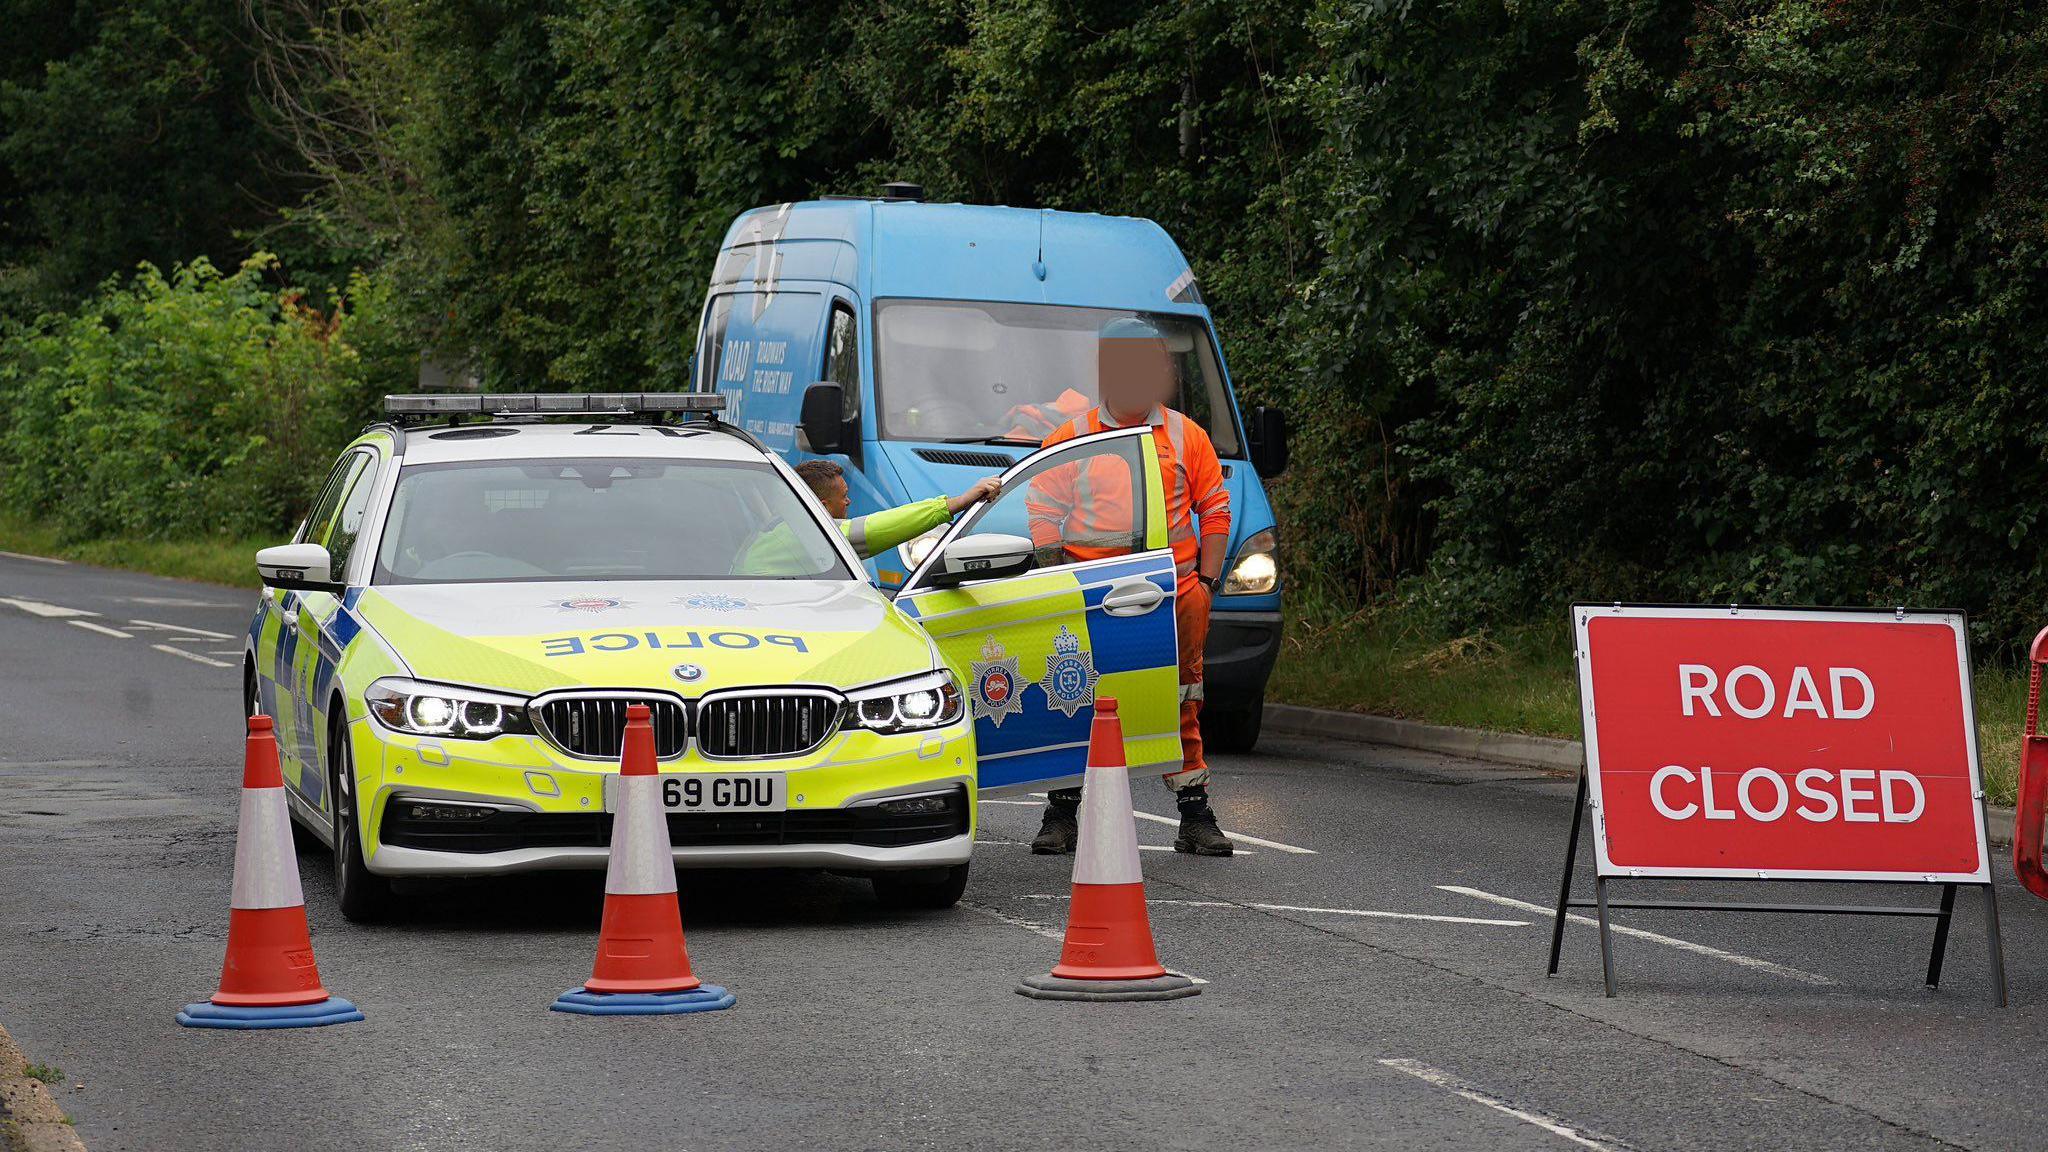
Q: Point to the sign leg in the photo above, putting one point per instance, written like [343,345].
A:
[1948,907]
[1564,888]
[1606,939]
[1997,943]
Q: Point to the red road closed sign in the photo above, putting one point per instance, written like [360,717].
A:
[1781,744]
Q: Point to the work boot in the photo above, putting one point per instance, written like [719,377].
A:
[1061,828]
[1199,833]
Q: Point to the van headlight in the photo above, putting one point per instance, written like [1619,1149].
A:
[422,709]
[914,551]
[931,700]
[1257,570]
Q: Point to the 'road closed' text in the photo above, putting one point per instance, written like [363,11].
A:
[1853,795]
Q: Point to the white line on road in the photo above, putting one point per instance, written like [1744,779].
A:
[1238,836]
[193,656]
[1049,933]
[1141,847]
[1786,971]
[182,628]
[38,608]
[102,629]
[1369,912]
[1550,1124]
[37,559]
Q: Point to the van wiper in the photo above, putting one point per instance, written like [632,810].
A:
[1019,441]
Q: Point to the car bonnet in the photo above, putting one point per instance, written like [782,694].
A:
[687,637]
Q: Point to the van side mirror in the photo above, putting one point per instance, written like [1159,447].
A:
[982,556]
[1268,435]
[822,420]
[299,567]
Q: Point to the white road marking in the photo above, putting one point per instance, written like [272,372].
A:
[1786,971]
[38,608]
[193,656]
[1049,933]
[1551,1124]
[1238,836]
[1141,847]
[182,628]
[37,559]
[174,602]
[224,652]
[102,629]
[1370,912]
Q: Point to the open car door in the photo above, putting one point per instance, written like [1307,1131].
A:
[1077,603]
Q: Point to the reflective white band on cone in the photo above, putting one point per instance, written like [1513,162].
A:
[266,864]
[1107,852]
[640,863]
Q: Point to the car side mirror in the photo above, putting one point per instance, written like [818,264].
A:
[1268,436]
[822,420]
[982,556]
[299,567]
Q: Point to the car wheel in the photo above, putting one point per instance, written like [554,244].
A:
[931,888]
[365,897]
[250,704]
[1232,730]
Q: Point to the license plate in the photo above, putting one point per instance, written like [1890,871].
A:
[713,792]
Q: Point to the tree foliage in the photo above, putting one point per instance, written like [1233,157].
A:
[1566,298]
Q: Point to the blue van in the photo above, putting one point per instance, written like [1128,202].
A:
[923,346]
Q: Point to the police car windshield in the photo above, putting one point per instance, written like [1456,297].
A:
[600,519]
[962,370]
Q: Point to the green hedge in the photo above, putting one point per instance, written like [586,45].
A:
[189,406]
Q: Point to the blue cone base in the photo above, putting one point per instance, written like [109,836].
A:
[333,1010]
[705,998]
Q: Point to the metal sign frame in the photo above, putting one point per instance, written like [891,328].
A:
[1605,870]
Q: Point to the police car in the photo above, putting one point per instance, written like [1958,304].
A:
[484,583]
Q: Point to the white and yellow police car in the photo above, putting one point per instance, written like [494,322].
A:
[483,584]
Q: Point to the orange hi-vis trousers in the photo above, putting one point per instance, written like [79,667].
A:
[1191,618]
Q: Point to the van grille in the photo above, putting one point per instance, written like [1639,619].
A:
[594,727]
[760,725]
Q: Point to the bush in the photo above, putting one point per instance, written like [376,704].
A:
[185,406]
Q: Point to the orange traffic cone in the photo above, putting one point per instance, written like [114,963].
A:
[642,969]
[269,979]
[1108,953]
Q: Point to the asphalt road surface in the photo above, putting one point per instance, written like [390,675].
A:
[1375,969]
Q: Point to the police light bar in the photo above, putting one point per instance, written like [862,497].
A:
[551,403]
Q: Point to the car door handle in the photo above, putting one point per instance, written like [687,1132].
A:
[1132,598]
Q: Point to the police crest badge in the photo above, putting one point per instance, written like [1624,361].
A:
[995,692]
[1070,674]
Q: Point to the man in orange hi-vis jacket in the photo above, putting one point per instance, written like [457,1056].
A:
[1087,512]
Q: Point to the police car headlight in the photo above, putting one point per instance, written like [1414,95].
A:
[1257,570]
[916,551]
[445,710]
[928,701]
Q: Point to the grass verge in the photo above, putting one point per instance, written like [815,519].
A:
[1520,680]
[215,561]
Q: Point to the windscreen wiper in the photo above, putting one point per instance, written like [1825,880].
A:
[1019,441]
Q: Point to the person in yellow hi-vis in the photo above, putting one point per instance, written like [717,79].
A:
[776,552]
[877,532]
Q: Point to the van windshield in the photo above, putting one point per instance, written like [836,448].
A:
[966,371]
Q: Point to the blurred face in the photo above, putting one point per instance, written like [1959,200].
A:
[1133,375]
[832,494]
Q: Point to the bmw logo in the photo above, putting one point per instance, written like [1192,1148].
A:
[687,673]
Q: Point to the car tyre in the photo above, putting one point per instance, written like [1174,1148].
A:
[928,889]
[1232,730]
[365,897]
